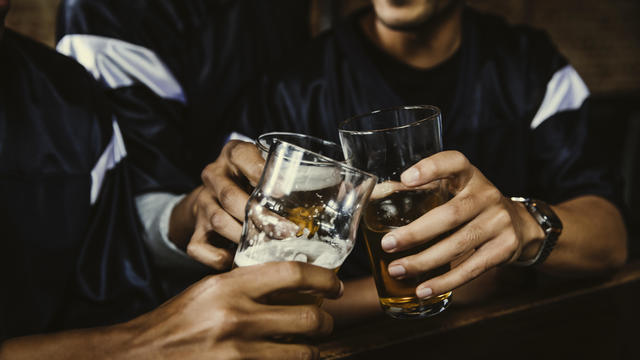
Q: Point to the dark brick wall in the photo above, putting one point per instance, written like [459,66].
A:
[600,38]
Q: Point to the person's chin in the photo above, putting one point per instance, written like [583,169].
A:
[404,26]
[405,23]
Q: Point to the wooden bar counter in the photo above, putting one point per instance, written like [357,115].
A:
[568,319]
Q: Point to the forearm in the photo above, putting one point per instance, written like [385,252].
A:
[157,210]
[359,301]
[182,220]
[98,343]
[593,238]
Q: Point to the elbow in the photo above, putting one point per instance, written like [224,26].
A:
[619,257]
[616,256]
[615,261]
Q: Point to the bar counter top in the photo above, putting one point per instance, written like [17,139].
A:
[571,319]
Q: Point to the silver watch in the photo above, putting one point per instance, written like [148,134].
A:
[550,224]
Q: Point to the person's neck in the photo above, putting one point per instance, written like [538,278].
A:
[423,47]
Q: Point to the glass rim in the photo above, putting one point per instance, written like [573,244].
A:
[375,112]
[292,134]
[327,159]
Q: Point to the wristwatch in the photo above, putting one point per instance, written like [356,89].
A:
[550,224]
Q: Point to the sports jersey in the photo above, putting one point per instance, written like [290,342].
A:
[70,254]
[173,66]
[516,110]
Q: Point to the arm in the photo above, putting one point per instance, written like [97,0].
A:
[207,220]
[360,301]
[221,316]
[593,239]
[104,342]
[497,230]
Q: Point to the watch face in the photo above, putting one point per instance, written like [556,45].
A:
[548,216]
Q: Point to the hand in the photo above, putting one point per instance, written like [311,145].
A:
[219,317]
[487,228]
[215,210]
[223,316]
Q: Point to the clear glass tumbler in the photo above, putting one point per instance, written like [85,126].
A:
[311,143]
[385,143]
[306,207]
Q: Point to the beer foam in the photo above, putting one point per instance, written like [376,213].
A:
[290,176]
[314,252]
[310,178]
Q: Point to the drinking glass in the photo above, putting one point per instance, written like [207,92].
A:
[311,143]
[386,143]
[306,207]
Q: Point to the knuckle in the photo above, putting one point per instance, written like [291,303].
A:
[311,319]
[503,217]
[460,160]
[428,166]
[214,282]
[306,353]
[511,242]
[229,319]
[493,195]
[192,249]
[207,173]
[466,203]
[293,271]
[475,271]
[225,197]
[217,219]
[454,212]
[471,237]
[235,149]
[458,209]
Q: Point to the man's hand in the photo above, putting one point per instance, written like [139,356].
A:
[222,317]
[215,210]
[487,228]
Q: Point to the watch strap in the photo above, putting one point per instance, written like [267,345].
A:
[550,224]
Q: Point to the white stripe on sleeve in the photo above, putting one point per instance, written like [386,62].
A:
[112,155]
[565,91]
[238,136]
[117,63]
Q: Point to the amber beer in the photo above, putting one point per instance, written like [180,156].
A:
[398,297]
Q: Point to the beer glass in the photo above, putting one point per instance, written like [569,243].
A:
[306,207]
[385,143]
[311,143]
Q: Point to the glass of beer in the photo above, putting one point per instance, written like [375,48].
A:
[306,207]
[311,143]
[386,143]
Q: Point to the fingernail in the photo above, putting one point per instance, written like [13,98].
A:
[388,243]
[397,270]
[341,291]
[424,292]
[410,176]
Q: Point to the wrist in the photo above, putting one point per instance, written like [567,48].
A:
[105,343]
[183,219]
[532,233]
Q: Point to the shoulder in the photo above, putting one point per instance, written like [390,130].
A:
[520,47]
[142,22]
[54,98]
